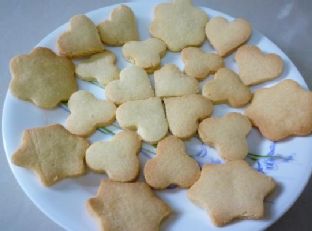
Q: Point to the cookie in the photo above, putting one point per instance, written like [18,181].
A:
[174,24]
[183,122]
[257,67]
[226,36]
[282,110]
[116,157]
[119,28]
[134,84]
[145,54]
[42,77]
[127,206]
[99,67]
[230,191]
[226,87]
[199,64]
[146,116]
[171,166]
[52,152]
[88,113]
[170,81]
[227,135]
[71,44]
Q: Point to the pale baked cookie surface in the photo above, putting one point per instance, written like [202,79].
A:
[42,77]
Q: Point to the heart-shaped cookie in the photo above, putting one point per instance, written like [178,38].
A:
[120,27]
[82,39]
[225,36]
[170,81]
[134,84]
[255,66]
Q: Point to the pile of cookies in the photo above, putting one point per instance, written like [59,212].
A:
[175,103]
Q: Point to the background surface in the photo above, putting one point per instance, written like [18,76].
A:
[23,24]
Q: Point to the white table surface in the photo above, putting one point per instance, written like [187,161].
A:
[23,23]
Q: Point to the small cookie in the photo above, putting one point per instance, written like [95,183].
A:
[171,166]
[199,64]
[127,206]
[230,191]
[52,152]
[255,66]
[88,113]
[71,44]
[120,27]
[226,36]
[147,116]
[99,67]
[227,135]
[227,87]
[282,110]
[117,157]
[183,122]
[170,81]
[42,77]
[145,54]
[174,24]
[134,84]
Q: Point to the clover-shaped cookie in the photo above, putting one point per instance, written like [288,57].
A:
[282,110]
[226,36]
[227,135]
[199,64]
[170,81]
[183,122]
[171,166]
[227,87]
[82,39]
[88,113]
[42,77]
[145,54]
[127,207]
[100,67]
[52,152]
[147,116]
[116,157]
[174,24]
[230,191]
[134,84]
[120,27]
[256,67]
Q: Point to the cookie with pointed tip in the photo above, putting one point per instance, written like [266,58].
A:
[116,157]
[227,135]
[174,24]
[257,67]
[134,84]
[183,122]
[88,113]
[127,206]
[145,54]
[231,191]
[146,116]
[119,28]
[226,87]
[170,81]
[226,36]
[171,166]
[199,64]
[82,39]
[99,67]
[52,152]
[42,77]
[282,110]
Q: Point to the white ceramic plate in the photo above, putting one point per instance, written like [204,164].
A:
[289,161]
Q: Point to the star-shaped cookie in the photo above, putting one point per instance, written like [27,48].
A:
[230,191]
